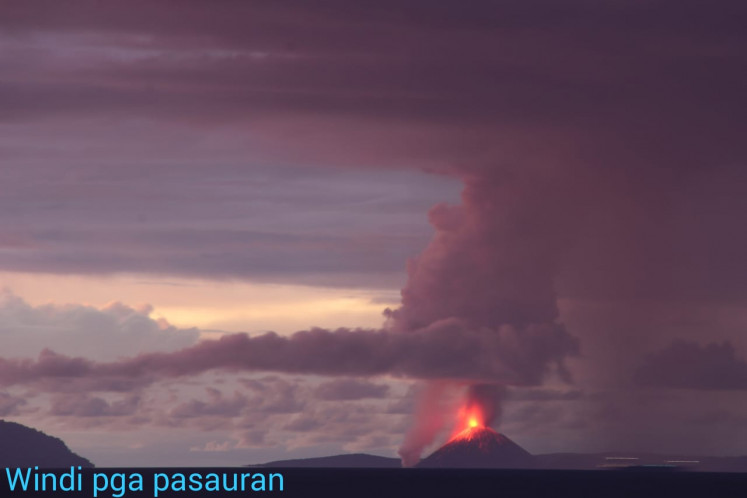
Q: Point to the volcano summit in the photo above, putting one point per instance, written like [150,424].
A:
[479,447]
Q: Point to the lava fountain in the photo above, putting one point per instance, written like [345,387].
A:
[470,421]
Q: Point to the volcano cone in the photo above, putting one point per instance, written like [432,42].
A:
[479,448]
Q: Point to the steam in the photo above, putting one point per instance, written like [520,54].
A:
[430,413]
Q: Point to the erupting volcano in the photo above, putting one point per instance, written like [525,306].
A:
[479,447]
[471,419]
[473,444]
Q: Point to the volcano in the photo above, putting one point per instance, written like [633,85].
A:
[479,447]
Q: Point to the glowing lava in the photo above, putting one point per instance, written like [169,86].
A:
[470,422]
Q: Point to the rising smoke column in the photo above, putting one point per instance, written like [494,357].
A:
[491,265]
[494,258]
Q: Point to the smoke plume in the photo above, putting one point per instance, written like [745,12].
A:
[487,397]
[445,350]
[492,265]
[434,413]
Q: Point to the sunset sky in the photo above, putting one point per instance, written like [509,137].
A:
[394,200]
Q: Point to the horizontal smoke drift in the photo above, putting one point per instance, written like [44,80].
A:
[446,349]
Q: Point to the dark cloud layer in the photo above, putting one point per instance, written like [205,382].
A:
[649,95]
[689,365]
[414,58]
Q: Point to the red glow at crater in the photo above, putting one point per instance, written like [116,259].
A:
[470,420]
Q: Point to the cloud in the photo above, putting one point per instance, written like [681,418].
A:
[216,405]
[355,230]
[9,404]
[83,405]
[350,389]
[689,365]
[352,424]
[109,332]
[277,396]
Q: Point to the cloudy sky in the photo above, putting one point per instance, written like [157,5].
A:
[238,231]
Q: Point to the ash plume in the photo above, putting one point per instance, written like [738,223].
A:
[494,257]
[488,398]
[492,265]
[446,350]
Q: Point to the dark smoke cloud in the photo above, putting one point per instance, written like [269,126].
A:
[447,349]
[689,365]
[494,257]
[492,265]
[488,398]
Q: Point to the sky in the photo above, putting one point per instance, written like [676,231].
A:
[240,231]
